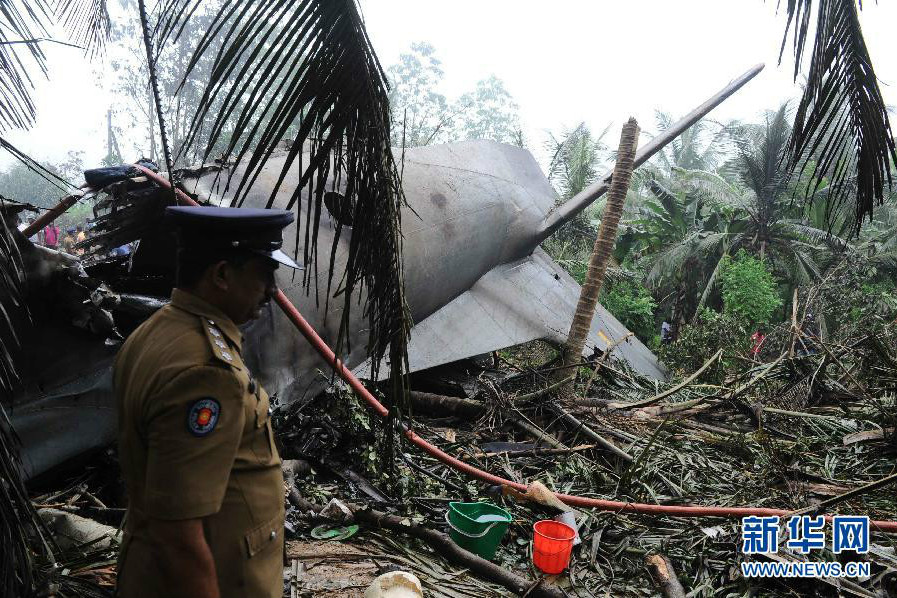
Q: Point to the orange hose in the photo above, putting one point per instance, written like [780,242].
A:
[329,356]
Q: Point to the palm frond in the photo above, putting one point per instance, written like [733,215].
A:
[709,185]
[712,283]
[306,70]
[842,122]
[670,262]
[797,229]
[760,155]
[87,23]
[22,24]
[12,279]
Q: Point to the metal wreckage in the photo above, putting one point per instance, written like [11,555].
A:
[476,281]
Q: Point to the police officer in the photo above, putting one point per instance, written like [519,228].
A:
[205,513]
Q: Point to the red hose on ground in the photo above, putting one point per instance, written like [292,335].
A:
[575,501]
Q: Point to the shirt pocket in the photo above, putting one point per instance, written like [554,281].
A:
[264,537]
[262,435]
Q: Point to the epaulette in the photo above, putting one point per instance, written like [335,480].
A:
[218,343]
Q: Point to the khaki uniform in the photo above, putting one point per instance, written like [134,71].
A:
[195,441]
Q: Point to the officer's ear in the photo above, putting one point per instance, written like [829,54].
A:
[220,274]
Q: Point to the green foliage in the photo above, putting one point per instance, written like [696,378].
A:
[420,112]
[20,183]
[633,305]
[700,340]
[575,160]
[857,296]
[489,112]
[750,293]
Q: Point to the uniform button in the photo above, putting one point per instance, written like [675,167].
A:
[273,534]
[270,410]
[212,322]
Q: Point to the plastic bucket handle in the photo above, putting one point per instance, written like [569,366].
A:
[467,534]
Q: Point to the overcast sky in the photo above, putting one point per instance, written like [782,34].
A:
[564,62]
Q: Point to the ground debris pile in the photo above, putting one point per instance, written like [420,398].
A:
[804,424]
[789,429]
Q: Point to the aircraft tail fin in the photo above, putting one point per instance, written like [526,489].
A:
[532,298]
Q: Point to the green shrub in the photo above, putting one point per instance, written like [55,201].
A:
[701,339]
[633,305]
[750,293]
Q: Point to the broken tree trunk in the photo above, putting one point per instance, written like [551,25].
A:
[604,244]
[428,403]
[662,571]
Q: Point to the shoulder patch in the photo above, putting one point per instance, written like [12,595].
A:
[202,416]
[218,343]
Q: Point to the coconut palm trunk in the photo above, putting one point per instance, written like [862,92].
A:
[604,246]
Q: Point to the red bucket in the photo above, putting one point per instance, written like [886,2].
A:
[552,544]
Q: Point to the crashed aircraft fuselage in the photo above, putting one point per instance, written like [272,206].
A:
[475,278]
[474,209]
[472,206]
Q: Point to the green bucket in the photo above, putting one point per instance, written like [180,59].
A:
[477,526]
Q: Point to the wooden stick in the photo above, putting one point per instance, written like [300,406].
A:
[594,436]
[443,403]
[536,432]
[662,571]
[544,391]
[537,452]
[823,506]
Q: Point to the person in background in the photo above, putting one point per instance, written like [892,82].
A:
[80,235]
[666,333]
[51,236]
[757,339]
[68,241]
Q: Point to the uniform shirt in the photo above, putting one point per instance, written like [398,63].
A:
[195,441]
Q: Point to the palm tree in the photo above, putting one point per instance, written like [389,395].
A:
[604,245]
[697,217]
[574,164]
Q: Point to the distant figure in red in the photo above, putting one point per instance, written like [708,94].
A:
[757,339]
[51,236]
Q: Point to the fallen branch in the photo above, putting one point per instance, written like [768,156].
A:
[592,435]
[538,452]
[445,404]
[825,505]
[527,398]
[536,432]
[659,397]
[662,571]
